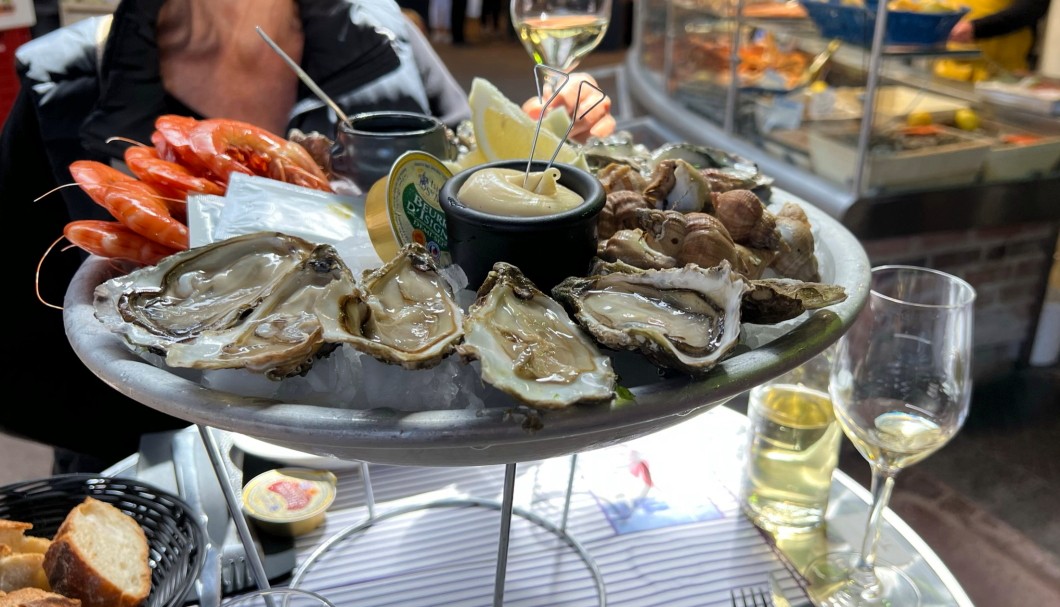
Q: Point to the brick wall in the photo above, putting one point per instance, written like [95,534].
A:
[1008,266]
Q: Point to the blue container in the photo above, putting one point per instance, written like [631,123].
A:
[856,24]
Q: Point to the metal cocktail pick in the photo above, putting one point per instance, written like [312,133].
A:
[560,77]
[304,77]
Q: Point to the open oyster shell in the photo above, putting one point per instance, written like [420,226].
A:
[404,313]
[768,301]
[529,347]
[680,318]
[245,302]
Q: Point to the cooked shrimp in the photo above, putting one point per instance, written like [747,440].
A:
[96,178]
[166,176]
[114,240]
[171,141]
[230,146]
[136,204]
[143,211]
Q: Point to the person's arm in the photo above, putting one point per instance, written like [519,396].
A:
[1020,14]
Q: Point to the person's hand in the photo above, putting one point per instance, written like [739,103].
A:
[597,122]
[963,32]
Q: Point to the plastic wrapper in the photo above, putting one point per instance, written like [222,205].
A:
[255,204]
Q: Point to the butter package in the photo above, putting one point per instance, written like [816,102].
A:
[289,501]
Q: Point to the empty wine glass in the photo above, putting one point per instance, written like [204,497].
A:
[558,33]
[900,385]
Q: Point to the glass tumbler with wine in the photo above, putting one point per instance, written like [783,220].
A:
[558,33]
[900,384]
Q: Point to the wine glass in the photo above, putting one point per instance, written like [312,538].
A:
[558,33]
[900,384]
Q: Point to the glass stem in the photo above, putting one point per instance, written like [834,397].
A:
[865,570]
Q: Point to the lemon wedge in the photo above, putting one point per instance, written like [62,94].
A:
[557,122]
[504,132]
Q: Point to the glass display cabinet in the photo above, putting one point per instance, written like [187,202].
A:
[865,111]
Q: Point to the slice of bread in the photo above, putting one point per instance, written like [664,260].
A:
[35,597]
[21,570]
[100,556]
[13,535]
[21,557]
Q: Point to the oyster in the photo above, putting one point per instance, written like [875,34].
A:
[616,148]
[723,170]
[404,313]
[702,157]
[768,301]
[683,318]
[773,300]
[246,302]
[530,348]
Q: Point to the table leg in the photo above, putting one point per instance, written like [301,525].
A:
[506,526]
[235,507]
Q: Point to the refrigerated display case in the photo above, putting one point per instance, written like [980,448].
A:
[791,88]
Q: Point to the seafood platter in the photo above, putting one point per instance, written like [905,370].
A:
[705,282]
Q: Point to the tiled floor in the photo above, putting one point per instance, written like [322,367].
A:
[986,503]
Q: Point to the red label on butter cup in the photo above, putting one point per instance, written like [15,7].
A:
[296,495]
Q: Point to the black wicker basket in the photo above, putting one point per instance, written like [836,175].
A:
[175,535]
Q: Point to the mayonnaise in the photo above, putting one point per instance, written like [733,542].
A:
[501,192]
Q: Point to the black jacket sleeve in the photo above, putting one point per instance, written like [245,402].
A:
[1020,14]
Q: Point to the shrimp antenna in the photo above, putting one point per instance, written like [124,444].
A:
[126,140]
[36,277]
[55,189]
[542,71]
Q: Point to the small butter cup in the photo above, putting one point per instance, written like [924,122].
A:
[289,501]
[546,249]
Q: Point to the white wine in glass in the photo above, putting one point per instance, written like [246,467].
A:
[900,385]
[558,33]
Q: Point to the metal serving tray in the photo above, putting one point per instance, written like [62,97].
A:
[494,435]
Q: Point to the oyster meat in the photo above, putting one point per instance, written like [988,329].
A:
[768,301]
[529,347]
[246,302]
[774,300]
[682,318]
[404,313]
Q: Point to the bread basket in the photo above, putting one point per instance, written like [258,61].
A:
[175,536]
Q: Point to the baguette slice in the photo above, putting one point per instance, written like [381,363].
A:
[21,570]
[100,556]
[35,597]
[13,535]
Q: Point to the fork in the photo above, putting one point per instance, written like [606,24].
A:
[750,597]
